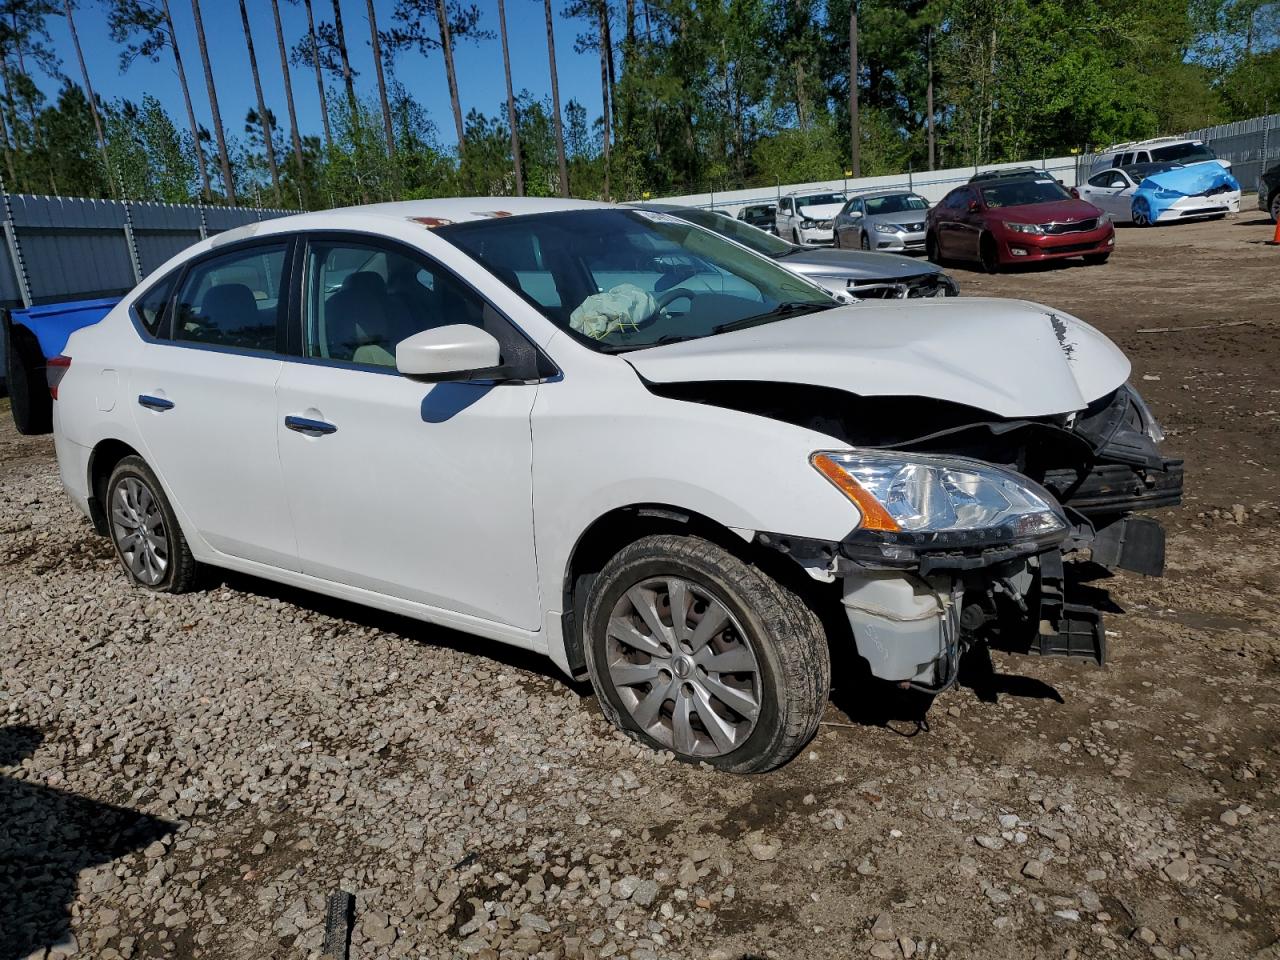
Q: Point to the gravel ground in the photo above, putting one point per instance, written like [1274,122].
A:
[191,776]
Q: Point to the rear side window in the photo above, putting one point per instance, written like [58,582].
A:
[233,300]
[152,308]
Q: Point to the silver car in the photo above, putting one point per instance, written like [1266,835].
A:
[879,276]
[892,220]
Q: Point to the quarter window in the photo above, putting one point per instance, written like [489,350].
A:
[152,308]
[233,300]
[361,300]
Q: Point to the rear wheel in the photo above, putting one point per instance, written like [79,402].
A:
[147,538]
[693,650]
[987,254]
[1096,259]
[30,405]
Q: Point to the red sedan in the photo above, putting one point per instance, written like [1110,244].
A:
[1016,219]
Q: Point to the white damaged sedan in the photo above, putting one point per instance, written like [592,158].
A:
[623,441]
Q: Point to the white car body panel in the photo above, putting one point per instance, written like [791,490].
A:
[1008,357]
[788,225]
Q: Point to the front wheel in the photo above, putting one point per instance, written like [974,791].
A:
[1141,212]
[147,538]
[987,254]
[863,242]
[693,650]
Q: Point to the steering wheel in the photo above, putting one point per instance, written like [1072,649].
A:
[668,297]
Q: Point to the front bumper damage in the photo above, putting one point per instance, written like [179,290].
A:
[915,607]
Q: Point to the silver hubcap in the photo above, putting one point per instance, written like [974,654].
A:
[683,667]
[139,531]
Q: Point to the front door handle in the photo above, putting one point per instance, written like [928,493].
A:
[159,404]
[309,426]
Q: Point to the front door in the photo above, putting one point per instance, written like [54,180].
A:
[412,490]
[204,395]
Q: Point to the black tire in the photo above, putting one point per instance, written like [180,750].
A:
[864,242]
[987,255]
[932,252]
[785,636]
[181,571]
[835,240]
[1274,207]
[795,237]
[30,403]
[1096,259]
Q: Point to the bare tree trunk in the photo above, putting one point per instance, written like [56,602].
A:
[288,88]
[186,98]
[342,55]
[446,46]
[228,181]
[631,25]
[511,102]
[606,40]
[88,88]
[855,144]
[264,118]
[315,50]
[928,94]
[603,28]
[555,102]
[11,144]
[382,83]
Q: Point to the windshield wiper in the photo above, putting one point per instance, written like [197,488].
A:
[661,341]
[790,308]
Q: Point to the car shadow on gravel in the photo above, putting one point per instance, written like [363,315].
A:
[47,837]
[407,628]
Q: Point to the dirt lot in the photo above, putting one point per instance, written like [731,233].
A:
[184,777]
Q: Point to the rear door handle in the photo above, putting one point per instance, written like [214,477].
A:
[309,426]
[154,403]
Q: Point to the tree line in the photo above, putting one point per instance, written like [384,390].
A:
[694,95]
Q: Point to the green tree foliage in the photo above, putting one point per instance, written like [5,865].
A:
[701,95]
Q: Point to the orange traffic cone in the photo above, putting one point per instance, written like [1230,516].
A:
[1275,241]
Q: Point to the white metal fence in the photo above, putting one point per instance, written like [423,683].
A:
[1250,145]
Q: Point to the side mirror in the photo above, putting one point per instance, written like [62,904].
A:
[854,214]
[973,206]
[1117,184]
[458,351]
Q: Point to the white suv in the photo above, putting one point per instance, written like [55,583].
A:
[616,438]
[806,219]
[1157,150]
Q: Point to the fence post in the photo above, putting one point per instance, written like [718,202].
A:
[204,223]
[134,262]
[15,249]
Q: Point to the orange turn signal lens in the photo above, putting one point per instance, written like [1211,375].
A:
[874,516]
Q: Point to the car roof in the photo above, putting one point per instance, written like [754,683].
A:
[1154,141]
[1011,173]
[433,213]
[875,192]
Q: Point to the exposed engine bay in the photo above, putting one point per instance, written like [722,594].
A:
[916,604]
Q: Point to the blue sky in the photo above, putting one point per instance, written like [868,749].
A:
[479,65]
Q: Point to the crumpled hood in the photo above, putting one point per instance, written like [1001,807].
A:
[821,211]
[1193,180]
[856,263]
[1011,358]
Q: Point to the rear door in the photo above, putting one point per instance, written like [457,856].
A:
[408,489]
[203,396]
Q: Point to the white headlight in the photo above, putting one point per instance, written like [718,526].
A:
[887,228]
[941,495]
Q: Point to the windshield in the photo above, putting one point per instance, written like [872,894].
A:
[747,235]
[818,199]
[1192,152]
[1013,193]
[897,203]
[621,280]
